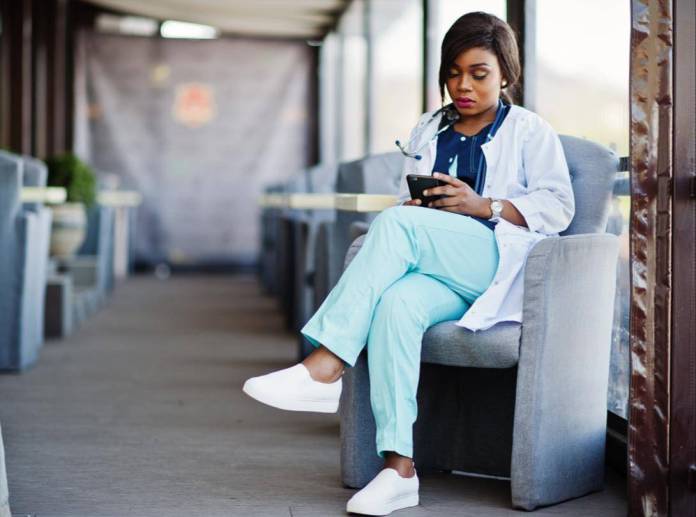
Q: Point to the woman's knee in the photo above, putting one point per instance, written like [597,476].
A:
[399,304]
[399,213]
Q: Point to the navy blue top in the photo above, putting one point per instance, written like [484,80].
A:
[461,156]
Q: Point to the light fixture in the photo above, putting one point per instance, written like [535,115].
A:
[130,25]
[185,30]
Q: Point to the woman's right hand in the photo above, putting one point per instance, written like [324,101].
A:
[412,202]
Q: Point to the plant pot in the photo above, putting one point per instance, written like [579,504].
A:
[69,229]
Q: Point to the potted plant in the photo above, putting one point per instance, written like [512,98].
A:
[69,219]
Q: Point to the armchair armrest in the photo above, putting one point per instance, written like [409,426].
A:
[28,326]
[357,229]
[561,404]
[353,249]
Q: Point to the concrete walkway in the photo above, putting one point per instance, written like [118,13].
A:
[141,414]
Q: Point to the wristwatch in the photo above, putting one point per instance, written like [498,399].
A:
[496,208]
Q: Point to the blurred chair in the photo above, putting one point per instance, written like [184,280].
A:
[529,401]
[24,234]
[97,251]
[79,286]
[287,250]
[36,175]
[376,174]
[321,180]
[269,244]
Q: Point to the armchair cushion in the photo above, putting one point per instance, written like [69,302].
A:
[448,344]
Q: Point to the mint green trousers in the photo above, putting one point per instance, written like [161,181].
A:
[417,267]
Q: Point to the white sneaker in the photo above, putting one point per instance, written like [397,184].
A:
[387,492]
[294,389]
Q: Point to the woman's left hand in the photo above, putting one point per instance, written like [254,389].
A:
[461,198]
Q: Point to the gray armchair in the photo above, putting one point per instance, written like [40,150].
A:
[36,175]
[523,401]
[80,285]
[24,234]
[97,250]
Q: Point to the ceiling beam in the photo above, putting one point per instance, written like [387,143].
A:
[301,19]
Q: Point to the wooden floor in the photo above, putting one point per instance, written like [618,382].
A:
[141,413]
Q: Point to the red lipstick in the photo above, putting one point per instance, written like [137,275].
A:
[464,102]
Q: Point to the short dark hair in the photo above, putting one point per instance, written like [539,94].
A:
[482,30]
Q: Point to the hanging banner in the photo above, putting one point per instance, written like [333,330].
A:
[199,128]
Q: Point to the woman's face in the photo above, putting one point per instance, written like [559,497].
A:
[474,82]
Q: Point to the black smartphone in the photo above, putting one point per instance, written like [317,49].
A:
[417,183]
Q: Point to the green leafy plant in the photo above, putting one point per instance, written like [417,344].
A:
[68,171]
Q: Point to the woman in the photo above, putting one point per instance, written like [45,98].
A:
[461,258]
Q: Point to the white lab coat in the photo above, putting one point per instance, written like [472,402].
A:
[526,166]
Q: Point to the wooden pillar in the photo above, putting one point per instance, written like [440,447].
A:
[56,79]
[682,429]
[651,258]
[41,29]
[516,18]
[16,76]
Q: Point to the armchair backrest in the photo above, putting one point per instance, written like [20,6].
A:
[593,169]
[35,175]
[11,170]
[374,174]
[322,178]
[35,172]
[296,183]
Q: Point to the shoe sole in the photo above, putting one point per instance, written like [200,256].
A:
[315,406]
[398,503]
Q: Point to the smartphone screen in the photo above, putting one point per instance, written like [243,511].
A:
[417,183]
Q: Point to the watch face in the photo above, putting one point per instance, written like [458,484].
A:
[496,206]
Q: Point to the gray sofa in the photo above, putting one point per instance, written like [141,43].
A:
[526,402]
[24,240]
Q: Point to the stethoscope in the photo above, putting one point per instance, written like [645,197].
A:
[452,116]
